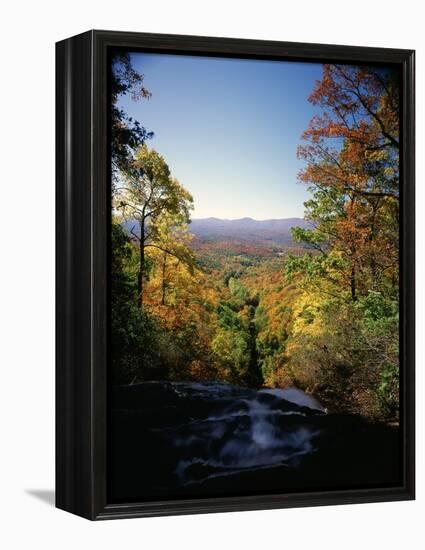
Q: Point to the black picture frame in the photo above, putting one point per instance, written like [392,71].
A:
[82,211]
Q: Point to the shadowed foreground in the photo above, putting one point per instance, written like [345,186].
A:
[188,439]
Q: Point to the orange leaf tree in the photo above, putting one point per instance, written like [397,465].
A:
[351,154]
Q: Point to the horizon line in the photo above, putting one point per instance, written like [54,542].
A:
[247,218]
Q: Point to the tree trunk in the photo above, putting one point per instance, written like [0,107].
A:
[353,282]
[164,284]
[142,264]
[373,262]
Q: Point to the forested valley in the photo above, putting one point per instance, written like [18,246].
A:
[319,313]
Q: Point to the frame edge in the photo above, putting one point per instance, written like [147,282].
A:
[80,429]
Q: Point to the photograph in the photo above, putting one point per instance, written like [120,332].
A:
[253,276]
[211,322]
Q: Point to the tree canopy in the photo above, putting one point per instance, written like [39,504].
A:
[155,201]
[127,135]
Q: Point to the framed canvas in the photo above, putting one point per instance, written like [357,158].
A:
[235,274]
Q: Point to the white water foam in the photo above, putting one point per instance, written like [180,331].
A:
[294,395]
[248,434]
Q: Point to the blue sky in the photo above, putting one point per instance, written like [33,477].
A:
[229,130]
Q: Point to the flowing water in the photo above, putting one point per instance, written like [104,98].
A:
[214,438]
[246,430]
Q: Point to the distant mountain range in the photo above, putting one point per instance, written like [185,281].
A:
[247,229]
[277,231]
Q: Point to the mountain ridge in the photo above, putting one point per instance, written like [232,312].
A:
[270,231]
[276,230]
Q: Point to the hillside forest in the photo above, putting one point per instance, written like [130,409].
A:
[320,312]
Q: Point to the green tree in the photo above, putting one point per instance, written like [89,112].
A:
[127,135]
[147,196]
[173,240]
[135,336]
[235,342]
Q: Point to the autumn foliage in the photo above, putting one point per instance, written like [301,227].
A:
[323,315]
[349,348]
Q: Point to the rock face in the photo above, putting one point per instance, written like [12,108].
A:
[174,439]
